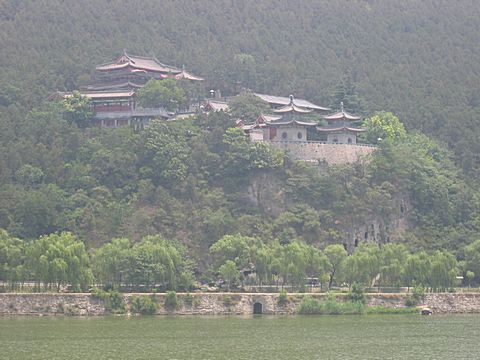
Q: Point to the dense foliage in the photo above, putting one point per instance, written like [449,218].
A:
[297,264]
[417,59]
[197,182]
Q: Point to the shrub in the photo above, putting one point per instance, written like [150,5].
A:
[310,306]
[171,300]
[282,298]
[112,299]
[330,306]
[227,301]
[334,307]
[410,301]
[418,293]
[188,299]
[356,294]
[144,305]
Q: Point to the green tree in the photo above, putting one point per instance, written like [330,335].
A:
[417,268]
[383,126]
[316,264]
[346,92]
[78,109]
[229,272]
[392,259]
[59,259]
[110,263]
[336,255]
[29,175]
[166,154]
[470,275]
[12,257]
[247,107]
[162,93]
[472,258]
[443,271]
[263,156]
[237,248]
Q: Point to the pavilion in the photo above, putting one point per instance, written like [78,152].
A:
[341,127]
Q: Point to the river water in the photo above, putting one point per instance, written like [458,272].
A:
[249,337]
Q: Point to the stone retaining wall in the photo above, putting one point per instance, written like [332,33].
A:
[217,303]
[332,154]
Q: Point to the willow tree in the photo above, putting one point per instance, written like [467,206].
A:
[59,259]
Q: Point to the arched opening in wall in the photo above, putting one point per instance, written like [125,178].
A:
[349,140]
[257,308]
[366,235]
[345,246]
[299,135]
[356,242]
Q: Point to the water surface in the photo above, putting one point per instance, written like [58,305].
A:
[260,337]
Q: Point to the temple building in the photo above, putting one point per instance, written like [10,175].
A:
[215,105]
[113,93]
[132,72]
[277,102]
[289,123]
[341,127]
[116,108]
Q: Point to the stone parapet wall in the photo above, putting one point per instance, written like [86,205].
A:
[50,304]
[332,154]
[218,303]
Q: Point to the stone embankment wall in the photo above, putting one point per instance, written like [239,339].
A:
[332,154]
[217,303]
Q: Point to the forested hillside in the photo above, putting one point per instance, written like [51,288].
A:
[198,180]
[418,59]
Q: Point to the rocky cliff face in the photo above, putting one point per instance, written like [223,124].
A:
[266,191]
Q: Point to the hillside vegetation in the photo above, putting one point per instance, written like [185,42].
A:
[418,59]
[198,180]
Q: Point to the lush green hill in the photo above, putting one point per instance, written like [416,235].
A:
[194,183]
[419,59]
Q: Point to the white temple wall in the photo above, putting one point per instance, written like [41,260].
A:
[290,133]
[342,138]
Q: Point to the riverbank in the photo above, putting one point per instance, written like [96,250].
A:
[86,304]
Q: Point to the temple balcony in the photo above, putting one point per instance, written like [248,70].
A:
[138,112]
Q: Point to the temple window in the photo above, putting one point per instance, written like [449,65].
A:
[284,135]
[349,140]
[299,135]
[366,236]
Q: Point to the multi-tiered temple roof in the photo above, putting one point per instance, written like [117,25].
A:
[279,101]
[341,121]
[113,93]
[132,72]
[137,64]
[341,127]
